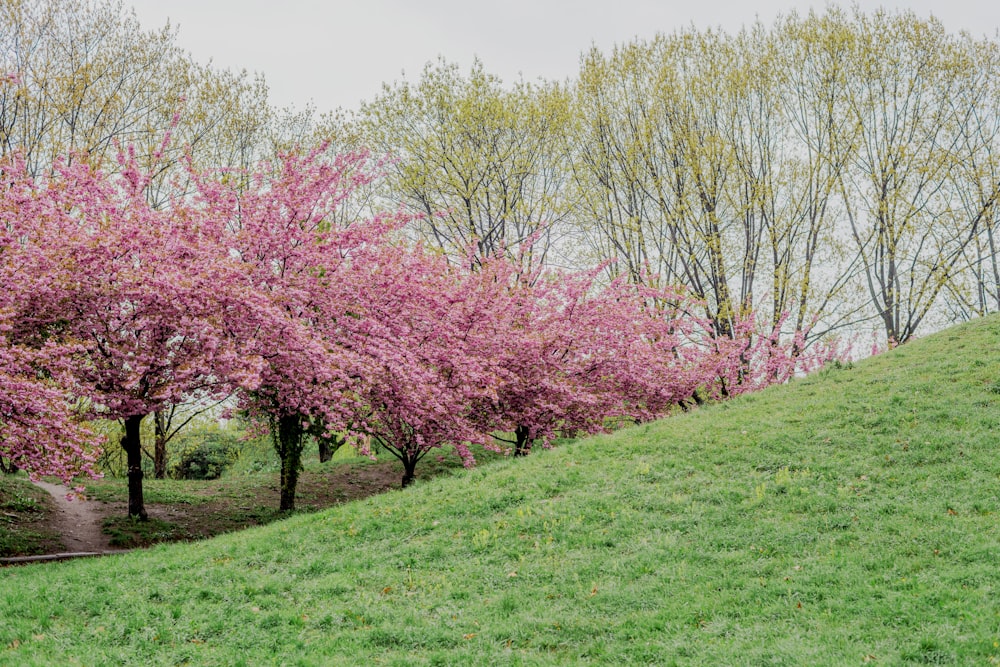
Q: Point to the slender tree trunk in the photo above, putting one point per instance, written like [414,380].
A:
[160,446]
[288,442]
[132,444]
[993,264]
[521,446]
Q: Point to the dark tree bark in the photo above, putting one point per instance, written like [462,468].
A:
[409,470]
[289,441]
[132,444]
[325,449]
[522,446]
[328,445]
[325,442]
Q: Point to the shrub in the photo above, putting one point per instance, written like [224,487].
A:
[206,457]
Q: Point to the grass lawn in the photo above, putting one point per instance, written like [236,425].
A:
[847,518]
[24,510]
[189,510]
[185,510]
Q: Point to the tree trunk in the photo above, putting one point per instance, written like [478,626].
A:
[160,446]
[325,450]
[409,470]
[288,442]
[522,445]
[132,444]
[327,446]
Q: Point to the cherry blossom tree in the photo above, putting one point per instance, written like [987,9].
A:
[580,357]
[429,338]
[457,354]
[758,356]
[41,429]
[40,432]
[137,290]
[298,287]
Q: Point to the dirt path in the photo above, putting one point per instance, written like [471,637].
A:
[78,522]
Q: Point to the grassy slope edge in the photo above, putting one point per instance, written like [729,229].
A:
[25,511]
[845,518]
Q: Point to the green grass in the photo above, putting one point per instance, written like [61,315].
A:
[846,518]
[23,508]
[197,509]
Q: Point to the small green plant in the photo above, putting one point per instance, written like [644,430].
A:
[20,503]
[759,491]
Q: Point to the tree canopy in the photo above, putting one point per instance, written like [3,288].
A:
[462,261]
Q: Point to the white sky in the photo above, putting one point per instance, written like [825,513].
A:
[335,53]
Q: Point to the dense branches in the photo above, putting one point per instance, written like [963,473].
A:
[833,170]
[482,165]
[322,327]
[90,80]
[832,156]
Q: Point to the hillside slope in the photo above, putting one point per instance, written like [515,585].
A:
[845,518]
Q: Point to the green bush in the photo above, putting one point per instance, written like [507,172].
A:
[206,457]
[257,455]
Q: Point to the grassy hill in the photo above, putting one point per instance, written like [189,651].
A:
[847,518]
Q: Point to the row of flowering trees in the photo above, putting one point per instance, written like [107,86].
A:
[256,285]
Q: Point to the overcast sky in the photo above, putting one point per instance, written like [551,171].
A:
[334,53]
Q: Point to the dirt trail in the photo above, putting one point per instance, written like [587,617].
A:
[78,522]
